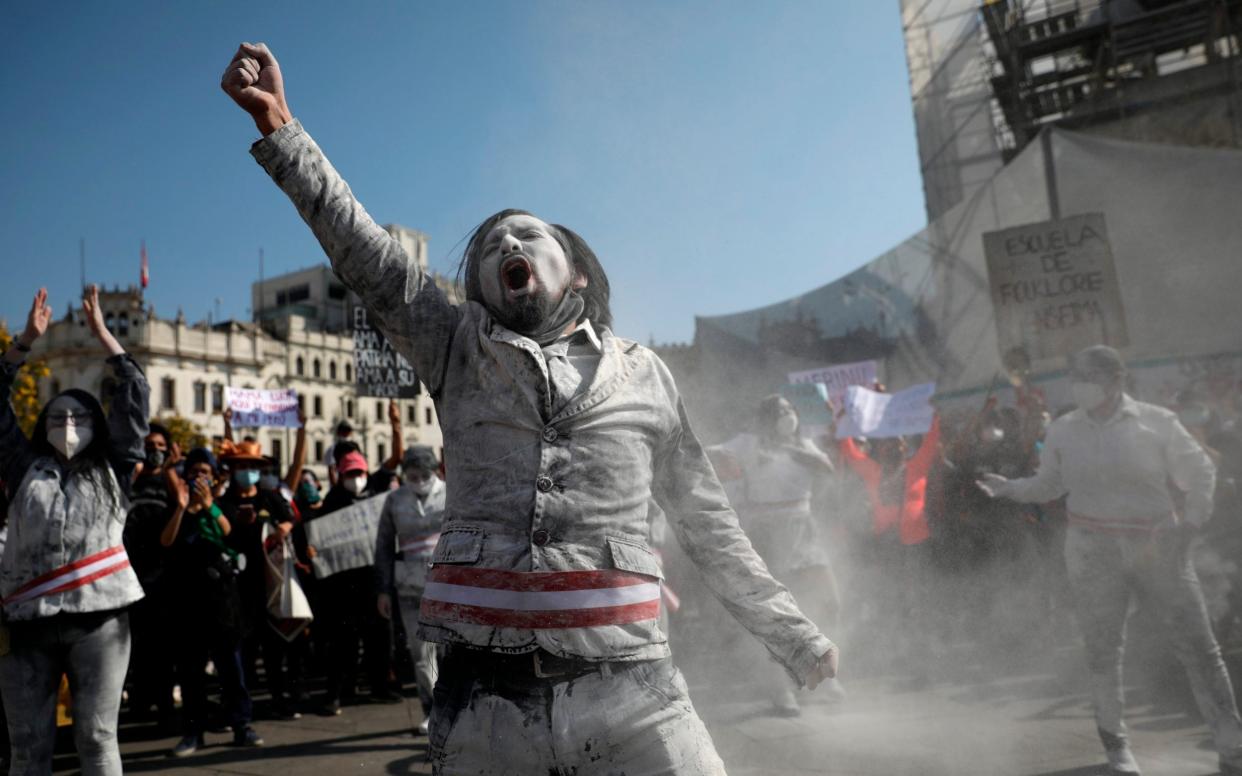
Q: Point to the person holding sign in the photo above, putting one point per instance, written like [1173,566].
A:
[557,436]
[1116,458]
[65,579]
[408,531]
[773,475]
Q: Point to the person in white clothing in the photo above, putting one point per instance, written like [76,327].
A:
[409,528]
[1115,458]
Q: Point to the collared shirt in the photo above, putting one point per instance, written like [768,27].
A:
[1119,470]
[572,362]
[536,483]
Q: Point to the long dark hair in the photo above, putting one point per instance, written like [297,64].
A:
[597,293]
[92,463]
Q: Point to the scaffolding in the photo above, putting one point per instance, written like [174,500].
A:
[1076,63]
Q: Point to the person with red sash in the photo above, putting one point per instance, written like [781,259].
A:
[65,578]
[1121,464]
[558,435]
[409,529]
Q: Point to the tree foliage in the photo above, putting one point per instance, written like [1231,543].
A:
[185,432]
[25,395]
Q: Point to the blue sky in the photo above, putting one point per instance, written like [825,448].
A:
[717,155]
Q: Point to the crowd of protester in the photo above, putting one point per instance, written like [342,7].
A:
[142,572]
[892,542]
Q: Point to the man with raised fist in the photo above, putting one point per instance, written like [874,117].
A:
[557,436]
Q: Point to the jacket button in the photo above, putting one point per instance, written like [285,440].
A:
[544,484]
[540,537]
[550,434]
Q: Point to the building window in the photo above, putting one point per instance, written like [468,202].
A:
[122,325]
[200,397]
[429,418]
[336,291]
[110,322]
[411,413]
[349,372]
[299,367]
[381,453]
[217,398]
[299,293]
[379,410]
[318,449]
[331,370]
[315,368]
[277,450]
[168,394]
[318,403]
[349,408]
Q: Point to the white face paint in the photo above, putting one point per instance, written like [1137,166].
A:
[787,425]
[69,426]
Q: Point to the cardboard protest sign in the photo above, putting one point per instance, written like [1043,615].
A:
[345,539]
[379,369]
[811,402]
[872,414]
[837,379]
[1054,288]
[252,408]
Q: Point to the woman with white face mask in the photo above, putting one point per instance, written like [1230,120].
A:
[772,475]
[409,528]
[65,579]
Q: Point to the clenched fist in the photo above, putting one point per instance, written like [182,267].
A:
[253,80]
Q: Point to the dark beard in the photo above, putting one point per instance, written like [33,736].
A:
[526,313]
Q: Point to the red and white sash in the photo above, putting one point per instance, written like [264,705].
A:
[539,599]
[420,545]
[71,576]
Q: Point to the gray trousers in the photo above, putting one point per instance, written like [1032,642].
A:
[636,721]
[93,650]
[426,667]
[1104,569]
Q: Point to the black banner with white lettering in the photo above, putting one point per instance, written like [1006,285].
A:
[378,369]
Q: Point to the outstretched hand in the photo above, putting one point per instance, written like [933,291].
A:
[254,82]
[825,669]
[995,486]
[95,321]
[38,319]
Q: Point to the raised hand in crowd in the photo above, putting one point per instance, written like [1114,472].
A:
[37,321]
[95,322]
[227,414]
[254,82]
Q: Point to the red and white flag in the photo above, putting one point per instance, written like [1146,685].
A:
[146,269]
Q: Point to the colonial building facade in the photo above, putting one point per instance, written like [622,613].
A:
[300,340]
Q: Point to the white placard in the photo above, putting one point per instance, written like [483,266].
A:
[837,379]
[252,408]
[878,415]
[345,539]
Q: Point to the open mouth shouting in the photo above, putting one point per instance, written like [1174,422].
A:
[517,276]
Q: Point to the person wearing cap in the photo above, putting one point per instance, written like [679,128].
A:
[344,430]
[207,615]
[347,611]
[409,528]
[249,508]
[1116,459]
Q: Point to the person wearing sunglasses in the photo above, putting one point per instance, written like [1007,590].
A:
[65,579]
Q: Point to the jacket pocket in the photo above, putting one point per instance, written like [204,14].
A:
[634,557]
[459,545]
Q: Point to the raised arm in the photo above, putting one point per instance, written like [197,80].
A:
[15,452]
[294,476]
[398,444]
[130,405]
[406,305]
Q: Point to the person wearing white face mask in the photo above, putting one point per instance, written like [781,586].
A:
[408,531]
[65,579]
[1115,458]
[772,475]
